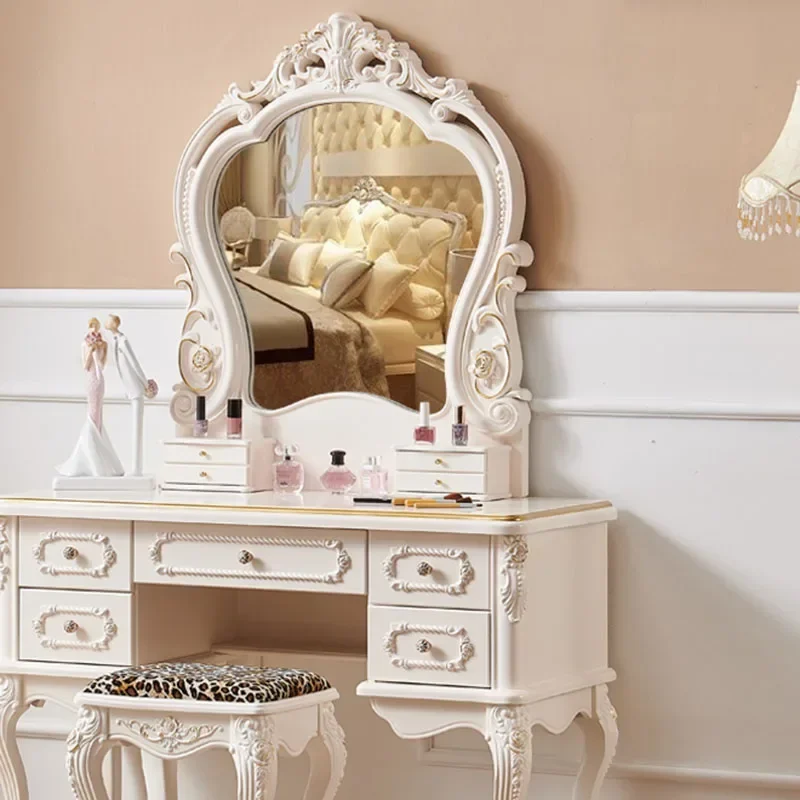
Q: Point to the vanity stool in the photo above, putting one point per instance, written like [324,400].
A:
[174,710]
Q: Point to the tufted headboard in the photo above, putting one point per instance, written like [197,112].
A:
[369,217]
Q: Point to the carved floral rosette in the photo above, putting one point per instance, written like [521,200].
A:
[348,58]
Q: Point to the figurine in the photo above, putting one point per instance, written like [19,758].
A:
[137,386]
[94,454]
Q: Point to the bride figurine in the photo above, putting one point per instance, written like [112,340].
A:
[94,455]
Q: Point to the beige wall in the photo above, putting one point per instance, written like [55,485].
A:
[634,120]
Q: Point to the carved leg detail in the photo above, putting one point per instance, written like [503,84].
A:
[328,757]
[508,732]
[255,756]
[85,747]
[13,784]
[600,736]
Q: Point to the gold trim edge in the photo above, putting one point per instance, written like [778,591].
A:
[349,512]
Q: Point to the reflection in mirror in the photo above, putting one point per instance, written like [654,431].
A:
[349,235]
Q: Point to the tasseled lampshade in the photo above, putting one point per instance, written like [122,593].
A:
[769,197]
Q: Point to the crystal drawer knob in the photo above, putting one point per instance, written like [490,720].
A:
[245,557]
[424,568]
[70,626]
[70,553]
[423,645]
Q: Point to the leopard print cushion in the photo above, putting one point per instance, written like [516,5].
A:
[211,682]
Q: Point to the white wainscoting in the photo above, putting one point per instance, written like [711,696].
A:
[683,408]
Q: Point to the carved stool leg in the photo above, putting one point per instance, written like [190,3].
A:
[328,757]
[85,746]
[169,771]
[508,731]
[13,783]
[600,737]
[255,756]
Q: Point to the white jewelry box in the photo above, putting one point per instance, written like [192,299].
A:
[480,472]
[217,465]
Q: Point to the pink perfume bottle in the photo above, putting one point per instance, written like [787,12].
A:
[374,477]
[288,473]
[337,478]
[424,433]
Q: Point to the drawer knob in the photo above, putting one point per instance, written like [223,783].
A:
[245,557]
[70,553]
[439,462]
[70,626]
[424,568]
[203,474]
[439,482]
[203,454]
[423,645]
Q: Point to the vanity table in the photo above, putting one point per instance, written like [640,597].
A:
[490,618]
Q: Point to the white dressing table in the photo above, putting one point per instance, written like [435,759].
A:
[493,618]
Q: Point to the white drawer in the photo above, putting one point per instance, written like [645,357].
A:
[415,645]
[465,482]
[440,461]
[224,474]
[294,559]
[206,453]
[80,627]
[75,553]
[441,570]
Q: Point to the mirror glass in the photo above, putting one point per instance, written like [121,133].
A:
[348,235]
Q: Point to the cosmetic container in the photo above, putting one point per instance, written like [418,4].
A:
[337,478]
[460,429]
[200,421]
[234,418]
[288,472]
[424,433]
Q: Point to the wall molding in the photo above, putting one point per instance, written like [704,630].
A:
[88,298]
[453,758]
[668,302]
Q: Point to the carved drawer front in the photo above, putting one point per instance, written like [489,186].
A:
[416,645]
[75,554]
[81,627]
[294,559]
[434,570]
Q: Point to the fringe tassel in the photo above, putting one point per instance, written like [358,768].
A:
[777,216]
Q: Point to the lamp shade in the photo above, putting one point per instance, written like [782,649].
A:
[769,196]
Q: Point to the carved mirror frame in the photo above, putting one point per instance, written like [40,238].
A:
[349,60]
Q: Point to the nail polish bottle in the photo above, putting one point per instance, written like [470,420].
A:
[235,418]
[200,421]
[460,429]
[337,478]
[424,433]
[288,472]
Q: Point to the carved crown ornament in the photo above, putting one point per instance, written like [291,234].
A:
[347,58]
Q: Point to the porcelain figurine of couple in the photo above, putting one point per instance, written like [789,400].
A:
[94,463]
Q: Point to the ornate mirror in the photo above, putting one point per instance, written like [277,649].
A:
[350,230]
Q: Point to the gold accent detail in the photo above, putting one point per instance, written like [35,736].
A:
[203,474]
[203,454]
[439,462]
[477,514]
[439,482]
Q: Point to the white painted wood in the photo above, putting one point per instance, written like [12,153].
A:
[219,474]
[75,554]
[483,371]
[255,558]
[432,646]
[434,459]
[468,483]
[443,571]
[206,451]
[84,627]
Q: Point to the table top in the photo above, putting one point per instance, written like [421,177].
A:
[311,510]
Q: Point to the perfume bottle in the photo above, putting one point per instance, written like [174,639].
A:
[337,478]
[424,433]
[235,418]
[288,473]
[374,477]
[460,429]
[200,421]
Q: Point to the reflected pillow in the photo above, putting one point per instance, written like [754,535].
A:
[344,282]
[387,281]
[291,260]
[332,252]
[420,302]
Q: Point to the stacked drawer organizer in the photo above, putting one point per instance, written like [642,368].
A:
[429,609]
